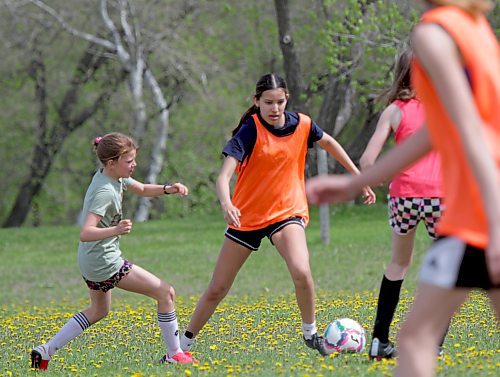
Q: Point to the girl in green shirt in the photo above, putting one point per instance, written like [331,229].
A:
[99,255]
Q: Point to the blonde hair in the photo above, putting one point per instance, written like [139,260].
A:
[475,7]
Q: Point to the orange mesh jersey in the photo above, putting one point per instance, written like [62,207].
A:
[271,182]
[465,215]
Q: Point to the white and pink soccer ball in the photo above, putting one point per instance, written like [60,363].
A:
[344,335]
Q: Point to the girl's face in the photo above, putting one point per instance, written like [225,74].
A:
[123,167]
[272,105]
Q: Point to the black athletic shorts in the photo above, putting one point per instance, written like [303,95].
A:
[251,238]
[452,263]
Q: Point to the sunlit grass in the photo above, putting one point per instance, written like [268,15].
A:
[254,332]
[248,335]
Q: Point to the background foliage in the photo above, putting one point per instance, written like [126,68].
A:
[207,56]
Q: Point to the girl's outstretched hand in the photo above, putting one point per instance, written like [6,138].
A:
[325,189]
[231,215]
[369,196]
[178,188]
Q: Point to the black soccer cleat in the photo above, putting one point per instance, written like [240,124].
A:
[316,343]
[379,350]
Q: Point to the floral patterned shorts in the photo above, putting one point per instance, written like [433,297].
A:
[110,283]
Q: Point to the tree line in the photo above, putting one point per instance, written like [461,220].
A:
[176,75]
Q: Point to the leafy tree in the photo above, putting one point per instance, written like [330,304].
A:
[55,115]
[206,56]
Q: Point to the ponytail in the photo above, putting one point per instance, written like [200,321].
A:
[400,88]
[250,111]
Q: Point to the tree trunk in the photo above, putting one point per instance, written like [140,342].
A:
[324,210]
[159,146]
[296,87]
[136,89]
[49,139]
[356,148]
[291,62]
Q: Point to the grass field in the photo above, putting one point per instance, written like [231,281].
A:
[255,331]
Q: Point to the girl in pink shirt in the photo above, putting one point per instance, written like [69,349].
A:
[414,194]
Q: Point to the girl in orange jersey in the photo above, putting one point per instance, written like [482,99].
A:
[268,151]
[456,74]
[414,195]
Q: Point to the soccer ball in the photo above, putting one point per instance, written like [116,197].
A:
[344,335]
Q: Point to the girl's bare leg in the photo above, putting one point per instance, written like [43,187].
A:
[292,246]
[231,257]
[422,330]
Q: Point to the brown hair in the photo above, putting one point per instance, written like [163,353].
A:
[267,82]
[113,145]
[474,7]
[401,85]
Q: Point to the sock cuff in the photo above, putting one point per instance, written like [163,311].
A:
[82,320]
[392,282]
[309,325]
[167,317]
[309,329]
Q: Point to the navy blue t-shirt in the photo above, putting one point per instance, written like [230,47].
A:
[240,146]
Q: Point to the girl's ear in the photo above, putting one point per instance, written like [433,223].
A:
[255,101]
[109,164]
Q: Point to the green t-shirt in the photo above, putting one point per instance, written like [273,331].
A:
[99,260]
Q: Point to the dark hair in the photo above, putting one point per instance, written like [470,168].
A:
[267,82]
[401,86]
[113,145]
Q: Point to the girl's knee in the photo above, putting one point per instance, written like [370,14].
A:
[95,314]
[171,293]
[166,292]
[102,314]
[302,279]
[216,292]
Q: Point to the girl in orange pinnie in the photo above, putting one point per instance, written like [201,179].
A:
[268,151]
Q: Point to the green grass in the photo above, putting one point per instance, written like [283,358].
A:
[254,332]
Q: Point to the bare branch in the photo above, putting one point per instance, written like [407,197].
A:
[77,33]
[175,58]
[123,55]
[129,36]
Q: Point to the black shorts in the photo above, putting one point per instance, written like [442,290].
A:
[451,263]
[251,238]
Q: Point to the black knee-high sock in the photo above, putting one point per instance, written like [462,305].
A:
[388,299]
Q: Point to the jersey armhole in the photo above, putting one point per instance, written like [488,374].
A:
[307,117]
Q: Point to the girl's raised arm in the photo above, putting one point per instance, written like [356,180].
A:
[333,147]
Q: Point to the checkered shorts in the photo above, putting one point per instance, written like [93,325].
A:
[405,213]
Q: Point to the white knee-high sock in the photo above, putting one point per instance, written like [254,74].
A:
[74,327]
[170,331]
[309,329]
